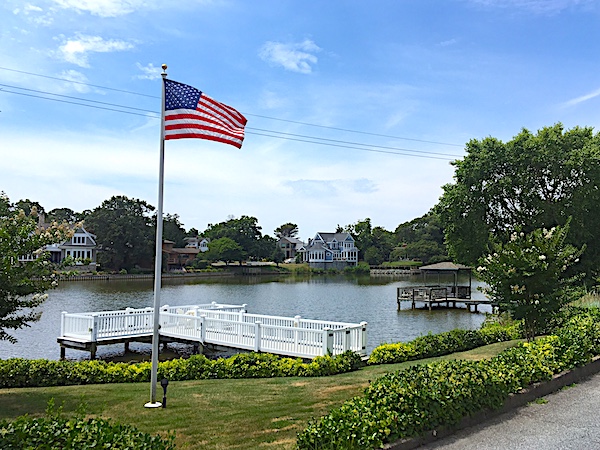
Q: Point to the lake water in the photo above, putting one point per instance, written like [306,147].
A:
[340,298]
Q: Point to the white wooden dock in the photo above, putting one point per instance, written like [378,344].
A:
[218,324]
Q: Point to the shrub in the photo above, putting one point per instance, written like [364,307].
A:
[432,345]
[54,431]
[17,372]
[411,401]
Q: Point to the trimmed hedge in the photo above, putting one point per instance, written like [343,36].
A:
[409,402]
[17,372]
[76,434]
[432,345]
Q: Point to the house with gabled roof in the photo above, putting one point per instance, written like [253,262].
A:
[290,246]
[81,247]
[330,251]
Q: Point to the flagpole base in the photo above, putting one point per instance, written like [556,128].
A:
[153,405]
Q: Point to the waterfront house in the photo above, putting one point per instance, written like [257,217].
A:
[197,242]
[178,258]
[81,247]
[290,246]
[330,251]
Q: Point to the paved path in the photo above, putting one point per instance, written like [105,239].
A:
[569,420]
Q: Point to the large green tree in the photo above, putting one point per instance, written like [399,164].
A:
[173,230]
[25,273]
[287,230]
[63,215]
[245,231]
[124,231]
[225,249]
[532,182]
[421,238]
[374,244]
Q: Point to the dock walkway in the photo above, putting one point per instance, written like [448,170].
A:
[218,324]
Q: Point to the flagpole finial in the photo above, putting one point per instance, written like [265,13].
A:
[164,72]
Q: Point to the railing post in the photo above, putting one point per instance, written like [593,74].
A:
[347,345]
[363,332]
[62,322]
[94,336]
[296,333]
[203,328]
[327,341]
[257,336]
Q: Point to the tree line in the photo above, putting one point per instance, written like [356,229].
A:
[125,233]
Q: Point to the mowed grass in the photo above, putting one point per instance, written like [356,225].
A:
[217,414]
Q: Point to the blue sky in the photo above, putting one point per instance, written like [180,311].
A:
[395,88]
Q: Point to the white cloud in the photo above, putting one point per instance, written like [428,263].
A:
[102,8]
[298,57]
[449,42]
[581,99]
[149,72]
[29,8]
[331,188]
[76,50]
[78,77]
[34,14]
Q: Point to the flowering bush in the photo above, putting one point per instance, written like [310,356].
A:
[25,273]
[528,275]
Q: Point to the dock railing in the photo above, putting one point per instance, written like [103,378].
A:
[227,325]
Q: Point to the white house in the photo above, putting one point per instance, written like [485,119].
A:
[197,242]
[82,246]
[330,250]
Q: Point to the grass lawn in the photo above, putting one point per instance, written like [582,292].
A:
[217,414]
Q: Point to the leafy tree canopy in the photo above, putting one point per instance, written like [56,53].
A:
[287,230]
[225,249]
[534,181]
[124,231]
[421,238]
[63,215]
[173,229]
[245,231]
[22,283]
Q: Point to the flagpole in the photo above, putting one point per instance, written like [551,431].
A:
[158,258]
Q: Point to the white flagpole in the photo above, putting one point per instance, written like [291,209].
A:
[158,258]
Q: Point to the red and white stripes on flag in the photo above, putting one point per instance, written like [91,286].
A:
[189,113]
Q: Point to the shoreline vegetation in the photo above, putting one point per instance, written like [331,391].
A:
[231,270]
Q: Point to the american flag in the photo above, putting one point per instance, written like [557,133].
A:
[189,113]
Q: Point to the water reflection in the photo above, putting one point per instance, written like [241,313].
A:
[337,298]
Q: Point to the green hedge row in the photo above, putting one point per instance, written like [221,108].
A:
[409,402]
[76,434]
[17,372]
[432,345]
